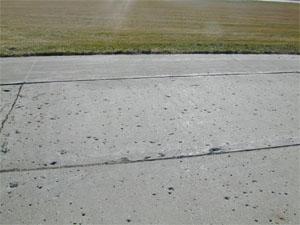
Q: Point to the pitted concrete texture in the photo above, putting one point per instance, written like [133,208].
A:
[97,122]
[122,66]
[180,139]
[259,187]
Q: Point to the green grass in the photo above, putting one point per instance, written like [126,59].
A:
[68,27]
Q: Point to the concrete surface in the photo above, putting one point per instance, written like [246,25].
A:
[186,139]
[285,1]
[122,66]
[100,121]
[259,187]
[8,95]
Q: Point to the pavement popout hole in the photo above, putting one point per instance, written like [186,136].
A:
[13,184]
[213,150]
[6,90]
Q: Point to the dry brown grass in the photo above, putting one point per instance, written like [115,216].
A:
[51,27]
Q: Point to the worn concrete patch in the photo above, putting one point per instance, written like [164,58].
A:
[60,124]
[250,188]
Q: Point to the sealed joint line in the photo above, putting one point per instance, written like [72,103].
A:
[11,108]
[154,77]
[127,161]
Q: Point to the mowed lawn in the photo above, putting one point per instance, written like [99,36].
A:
[56,27]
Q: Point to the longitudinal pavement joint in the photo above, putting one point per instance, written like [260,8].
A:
[127,161]
[153,77]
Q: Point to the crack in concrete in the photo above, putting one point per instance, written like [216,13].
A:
[11,108]
[18,95]
[152,77]
[125,160]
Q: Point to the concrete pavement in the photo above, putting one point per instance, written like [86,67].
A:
[240,188]
[150,139]
[60,68]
